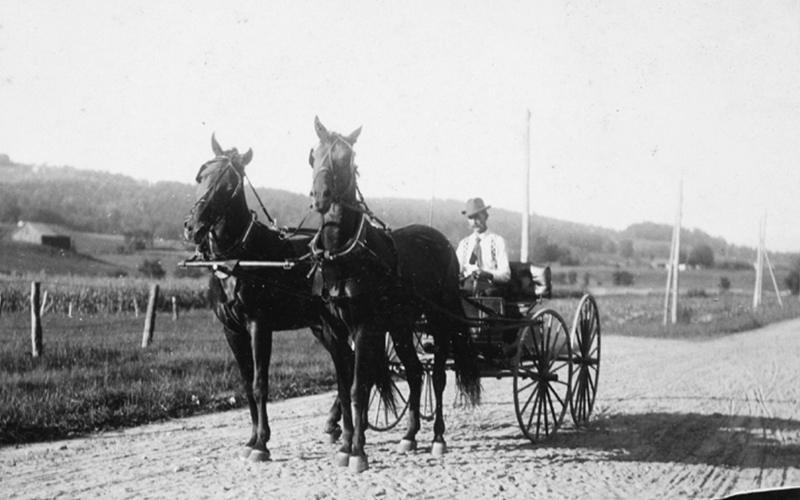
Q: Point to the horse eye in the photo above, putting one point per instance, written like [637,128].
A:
[311,157]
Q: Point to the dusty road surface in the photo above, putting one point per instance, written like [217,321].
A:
[675,419]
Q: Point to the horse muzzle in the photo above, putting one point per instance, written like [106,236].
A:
[193,234]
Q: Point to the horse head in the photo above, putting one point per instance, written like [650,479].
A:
[219,185]
[333,162]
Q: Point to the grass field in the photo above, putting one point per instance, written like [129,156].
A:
[650,279]
[95,376]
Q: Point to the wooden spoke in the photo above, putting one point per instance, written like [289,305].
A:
[380,417]
[586,357]
[542,375]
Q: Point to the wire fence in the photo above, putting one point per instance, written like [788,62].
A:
[77,296]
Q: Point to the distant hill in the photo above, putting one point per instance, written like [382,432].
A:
[113,204]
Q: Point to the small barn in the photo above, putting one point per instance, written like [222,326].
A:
[41,234]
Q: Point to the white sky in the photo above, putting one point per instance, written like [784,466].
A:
[626,99]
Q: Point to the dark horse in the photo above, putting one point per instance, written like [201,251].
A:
[251,304]
[375,282]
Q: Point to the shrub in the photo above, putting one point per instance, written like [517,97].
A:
[685,315]
[793,279]
[623,278]
[724,283]
[152,269]
[701,256]
[572,277]
[696,292]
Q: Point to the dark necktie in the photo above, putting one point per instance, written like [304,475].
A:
[477,258]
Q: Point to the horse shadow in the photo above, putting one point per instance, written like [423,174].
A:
[689,438]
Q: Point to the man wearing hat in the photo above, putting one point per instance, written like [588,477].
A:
[482,256]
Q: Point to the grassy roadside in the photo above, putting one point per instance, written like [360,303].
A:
[94,375]
[699,317]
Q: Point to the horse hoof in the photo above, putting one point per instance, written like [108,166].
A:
[244,453]
[258,456]
[407,446]
[341,459]
[334,435]
[439,449]
[358,463]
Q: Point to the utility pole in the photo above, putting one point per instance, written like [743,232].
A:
[671,309]
[526,186]
[761,257]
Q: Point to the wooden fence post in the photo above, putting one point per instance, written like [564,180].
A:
[43,308]
[135,307]
[150,319]
[37,347]
[174,309]
[69,311]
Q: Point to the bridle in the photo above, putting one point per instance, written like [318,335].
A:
[327,165]
[220,214]
[350,198]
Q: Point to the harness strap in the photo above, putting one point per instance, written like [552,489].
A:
[238,245]
[263,208]
[318,253]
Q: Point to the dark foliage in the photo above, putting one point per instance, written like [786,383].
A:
[792,280]
[152,269]
[626,248]
[701,256]
[623,278]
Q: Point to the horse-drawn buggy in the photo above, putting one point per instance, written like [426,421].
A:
[553,369]
[352,282]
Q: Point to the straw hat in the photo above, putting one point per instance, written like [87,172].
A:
[475,206]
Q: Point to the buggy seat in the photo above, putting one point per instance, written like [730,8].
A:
[528,283]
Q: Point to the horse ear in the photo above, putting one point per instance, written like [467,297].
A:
[215,146]
[322,132]
[351,139]
[247,157]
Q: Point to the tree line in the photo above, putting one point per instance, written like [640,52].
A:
[108,203]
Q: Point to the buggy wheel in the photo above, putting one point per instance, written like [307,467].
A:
[586,358]
[542,375]
[379,416]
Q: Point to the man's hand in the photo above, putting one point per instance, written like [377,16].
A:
[482,275]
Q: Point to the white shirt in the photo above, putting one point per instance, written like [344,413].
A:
[493,255]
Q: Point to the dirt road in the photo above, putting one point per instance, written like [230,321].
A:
[675,419]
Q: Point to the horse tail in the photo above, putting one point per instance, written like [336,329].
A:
[465,357]
[380,375]
[465,364]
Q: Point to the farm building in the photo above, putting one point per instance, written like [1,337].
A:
[41,234]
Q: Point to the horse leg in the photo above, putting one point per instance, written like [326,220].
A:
[343,361]
[332,428]
[439,446]
[368,348]
[406,351]
[239,343]
[261,340]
